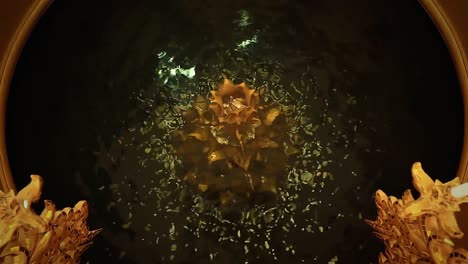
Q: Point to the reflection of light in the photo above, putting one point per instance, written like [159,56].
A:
[189,73]
[244,19]
[167,68]
[247,42]
[460,190]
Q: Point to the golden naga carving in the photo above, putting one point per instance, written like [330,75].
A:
[234,143]
[54,236]
[420,230]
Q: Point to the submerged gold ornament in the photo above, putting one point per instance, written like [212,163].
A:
[420,230]
[54,236]
[234,143]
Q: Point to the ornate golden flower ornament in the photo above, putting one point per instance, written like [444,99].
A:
[233,142]
[420,230]
[54,236]
[233,104]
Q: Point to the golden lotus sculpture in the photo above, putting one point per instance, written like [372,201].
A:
[54,236]
[234,143]
[420,230]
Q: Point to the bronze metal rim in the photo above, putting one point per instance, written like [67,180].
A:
[452,23]
[24,16]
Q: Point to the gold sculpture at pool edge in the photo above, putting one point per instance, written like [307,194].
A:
[234,142]
[54,236]
[421,230]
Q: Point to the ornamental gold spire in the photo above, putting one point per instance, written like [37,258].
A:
[54,236]
[420,230]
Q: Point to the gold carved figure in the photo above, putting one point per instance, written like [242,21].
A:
[420,230]
[54,236]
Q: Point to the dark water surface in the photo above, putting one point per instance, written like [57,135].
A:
[100,87]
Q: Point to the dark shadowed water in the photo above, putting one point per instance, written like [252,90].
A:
[100,87]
